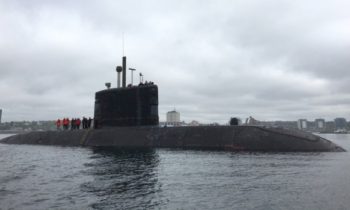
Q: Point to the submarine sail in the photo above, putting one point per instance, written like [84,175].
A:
[127,105]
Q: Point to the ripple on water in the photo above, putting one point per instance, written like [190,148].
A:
[44,177]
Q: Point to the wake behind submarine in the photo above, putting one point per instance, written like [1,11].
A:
[127,117]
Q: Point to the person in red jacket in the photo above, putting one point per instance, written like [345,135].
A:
[66,123]
[58,124]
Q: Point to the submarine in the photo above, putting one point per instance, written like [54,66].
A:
[127,117]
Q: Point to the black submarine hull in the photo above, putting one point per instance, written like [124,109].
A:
[231,138]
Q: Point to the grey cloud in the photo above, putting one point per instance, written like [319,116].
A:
[212,60]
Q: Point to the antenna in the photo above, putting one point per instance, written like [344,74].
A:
[123,43]
[124,71]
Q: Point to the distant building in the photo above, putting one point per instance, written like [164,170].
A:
[173,118]
[0,114]
[330,127]
[320,124]
[302,124]
[194,123]
[283,124]
[251,121]
[340,123]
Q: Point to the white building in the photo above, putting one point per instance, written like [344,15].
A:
[173,118]
[302,124]
[320,123]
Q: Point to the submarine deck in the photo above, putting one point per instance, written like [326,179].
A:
[232,138]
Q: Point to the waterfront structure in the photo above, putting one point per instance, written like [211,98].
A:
[330,127]
[283,124]
[194,123]
[251,121]
[302,124]
[320,123]
[173,118]
[340,123]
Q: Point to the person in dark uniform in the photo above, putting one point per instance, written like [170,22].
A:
[85,123]
[89,122]
[72,124]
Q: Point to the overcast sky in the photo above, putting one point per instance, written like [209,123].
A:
[273,60]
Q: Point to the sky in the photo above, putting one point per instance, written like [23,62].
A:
[211,60]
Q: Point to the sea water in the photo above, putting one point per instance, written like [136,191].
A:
[55,177]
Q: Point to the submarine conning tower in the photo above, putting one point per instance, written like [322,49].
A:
[132,105]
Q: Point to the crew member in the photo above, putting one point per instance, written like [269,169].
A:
[77,123]
[66,123]
[89,122]
[58,124]
[72,124]
[84,123]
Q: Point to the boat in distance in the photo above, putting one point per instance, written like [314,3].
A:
[127,117]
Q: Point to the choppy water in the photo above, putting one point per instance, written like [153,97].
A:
[49,177]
